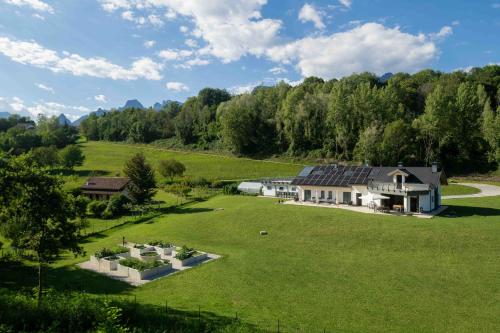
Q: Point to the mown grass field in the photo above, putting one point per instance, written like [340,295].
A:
[319,268]
[455,189]
[105,158]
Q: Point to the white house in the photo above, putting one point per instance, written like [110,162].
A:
[279,188]
[408,189]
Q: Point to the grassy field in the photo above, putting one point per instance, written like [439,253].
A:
[455,189]
[105,158]
[319,268]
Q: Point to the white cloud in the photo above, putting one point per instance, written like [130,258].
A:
[442,34]
[176,86]
[38,16]
[101,98]
[155,20]
[37,5]
[172,54]
[369,47]
[231,28]
[170,14]
[44,87]
[194,62]
[243,89]
[496,5]
[149,44]
[346,3]
[455,23]
[34,54]
[308,13]
[278,70]
[191,43]
[17,105]
[112,5]
[183,29]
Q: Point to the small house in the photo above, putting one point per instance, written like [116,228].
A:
[102,188]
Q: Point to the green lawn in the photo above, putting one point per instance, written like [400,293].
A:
[320,268]
[107,158]
[455,189]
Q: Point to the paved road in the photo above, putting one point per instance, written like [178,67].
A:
[486,191]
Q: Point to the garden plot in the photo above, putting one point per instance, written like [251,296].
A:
[137,264]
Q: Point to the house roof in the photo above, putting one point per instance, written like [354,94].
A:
[342,176]
[332,175]
[106,183]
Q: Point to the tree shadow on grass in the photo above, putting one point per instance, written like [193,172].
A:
[466,211]
[17,276]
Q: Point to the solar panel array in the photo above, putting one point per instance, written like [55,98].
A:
[329,175]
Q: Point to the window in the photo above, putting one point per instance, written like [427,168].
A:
[330,195]
[294,189]
[269,188]
[282,188]
[322,196]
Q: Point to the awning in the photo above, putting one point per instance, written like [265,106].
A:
[374,197]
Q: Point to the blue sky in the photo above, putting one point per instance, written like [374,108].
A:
[75,56]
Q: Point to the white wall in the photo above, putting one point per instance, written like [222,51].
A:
[269,192]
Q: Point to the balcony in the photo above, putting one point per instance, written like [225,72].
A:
[397,188]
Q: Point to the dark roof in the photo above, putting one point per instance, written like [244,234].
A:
[417,175]
[331,175]
[106,183]
[342,176]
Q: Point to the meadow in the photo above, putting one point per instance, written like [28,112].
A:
[318,269]
[108,159]
[455,189]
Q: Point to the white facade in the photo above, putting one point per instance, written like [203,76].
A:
[279,188]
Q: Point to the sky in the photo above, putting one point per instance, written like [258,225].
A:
[72,57]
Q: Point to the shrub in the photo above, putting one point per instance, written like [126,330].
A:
[118,205]
[171,168]
[230,189]
[141,265]
[97,208]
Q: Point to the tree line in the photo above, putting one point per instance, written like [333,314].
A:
[452,118]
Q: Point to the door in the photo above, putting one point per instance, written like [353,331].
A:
[347,197]
[307,195]
[414,204]
[358,199]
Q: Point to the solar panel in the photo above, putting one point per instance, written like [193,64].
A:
[306,171]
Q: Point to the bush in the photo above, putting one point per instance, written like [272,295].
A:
[141,265]
[118,205]
[97,208]
[230,189]
[195,182]
[171,168]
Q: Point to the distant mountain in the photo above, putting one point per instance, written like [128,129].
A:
[384,78]
[99,112]
[4,114]
[132,103]
[63,121]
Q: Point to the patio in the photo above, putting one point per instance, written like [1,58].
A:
[367,210]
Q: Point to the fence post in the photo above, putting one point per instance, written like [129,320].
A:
[278,326]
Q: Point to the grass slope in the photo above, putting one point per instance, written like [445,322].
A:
[322,268]
[455,189]
[108,158]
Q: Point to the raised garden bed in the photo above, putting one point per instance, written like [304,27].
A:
[140,249]
[150,256]
[187,256]
[139,270]
[163,248]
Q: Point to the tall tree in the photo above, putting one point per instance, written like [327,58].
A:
[35,212]
[142,177]
[72,156]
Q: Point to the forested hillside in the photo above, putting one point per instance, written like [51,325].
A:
[453,118]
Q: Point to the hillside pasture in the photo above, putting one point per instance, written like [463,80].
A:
[320,268]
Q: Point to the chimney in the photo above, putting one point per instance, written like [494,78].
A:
[434,167]
[367,163]
[400,164]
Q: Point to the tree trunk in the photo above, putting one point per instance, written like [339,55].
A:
[40,284]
